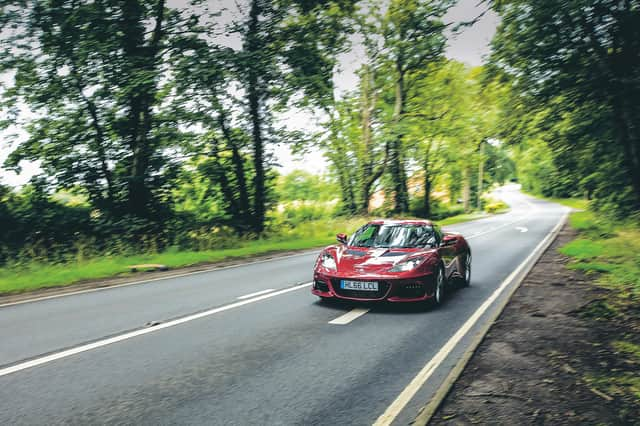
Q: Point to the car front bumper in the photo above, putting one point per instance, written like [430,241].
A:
[414,289]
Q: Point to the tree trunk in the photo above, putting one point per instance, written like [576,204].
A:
[466,189]
[427,194]
[255,93]
[396,161]
[141,59]
[244,207]
[367,168]
[369,174]
[427,185]
[480,174]
[99,141]
[630,149]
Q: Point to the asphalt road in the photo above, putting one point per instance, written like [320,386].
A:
[217,357]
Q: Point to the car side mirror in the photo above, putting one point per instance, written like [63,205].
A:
[449,240]
[342,238]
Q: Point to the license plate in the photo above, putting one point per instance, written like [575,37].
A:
[359,285]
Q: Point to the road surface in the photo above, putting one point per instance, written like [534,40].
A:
[249,344]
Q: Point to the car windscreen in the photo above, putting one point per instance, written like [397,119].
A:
[393,236]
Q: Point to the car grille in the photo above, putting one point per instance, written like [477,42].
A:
[383,288]
[410,291]
[321,286]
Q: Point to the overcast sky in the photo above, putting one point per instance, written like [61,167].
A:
[470,47]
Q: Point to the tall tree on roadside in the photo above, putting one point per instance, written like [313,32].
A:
[579,64]
[286,58]
[90,73]
[413,37]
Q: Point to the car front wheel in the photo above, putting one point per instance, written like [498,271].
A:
[438,292]
[467,270]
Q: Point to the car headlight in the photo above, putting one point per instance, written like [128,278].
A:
[328,261]
[407,265]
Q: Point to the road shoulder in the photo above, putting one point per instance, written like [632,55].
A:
[538,363]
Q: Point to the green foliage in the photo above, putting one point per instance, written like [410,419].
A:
[90,74]
[36,228]
[579,204]
[301,185]
[574,72]
[306,235]
[610,248]
[449,117]
[496,207]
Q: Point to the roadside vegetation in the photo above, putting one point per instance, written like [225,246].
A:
[611,249]
[306,217]
[303,232]
[609,252]
[33,274]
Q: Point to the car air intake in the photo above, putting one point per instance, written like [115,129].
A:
[320,286]
[410,291]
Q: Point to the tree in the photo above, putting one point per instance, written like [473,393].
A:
[90,73]
[287,56]
[413,33]
[579,64]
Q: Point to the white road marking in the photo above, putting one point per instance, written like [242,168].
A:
[115,339]
[521,228]
[349,316]
[421,378]
[168,277]
[257,293]
[533,209]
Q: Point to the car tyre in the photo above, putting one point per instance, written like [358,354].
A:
[466,280]
[439,291]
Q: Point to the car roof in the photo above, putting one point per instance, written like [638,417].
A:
[401,222]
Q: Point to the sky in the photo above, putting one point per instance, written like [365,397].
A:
[470,47]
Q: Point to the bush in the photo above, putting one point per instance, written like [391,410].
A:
[439,210]
[295,213]
[496,207]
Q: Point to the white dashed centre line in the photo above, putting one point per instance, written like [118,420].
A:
[349,316]
[257,293]
[130,335]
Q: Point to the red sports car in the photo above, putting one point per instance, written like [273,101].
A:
[393,260]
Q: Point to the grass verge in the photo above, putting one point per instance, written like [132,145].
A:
[607,248]
[611,251]
[305,236]
[574,203]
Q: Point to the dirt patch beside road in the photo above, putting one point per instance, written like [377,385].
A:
[544,360]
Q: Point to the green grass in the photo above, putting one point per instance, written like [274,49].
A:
[619,385]
[466,217]
[627,349]
[309,235]
[609,248]
[574,203]
[38,275]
